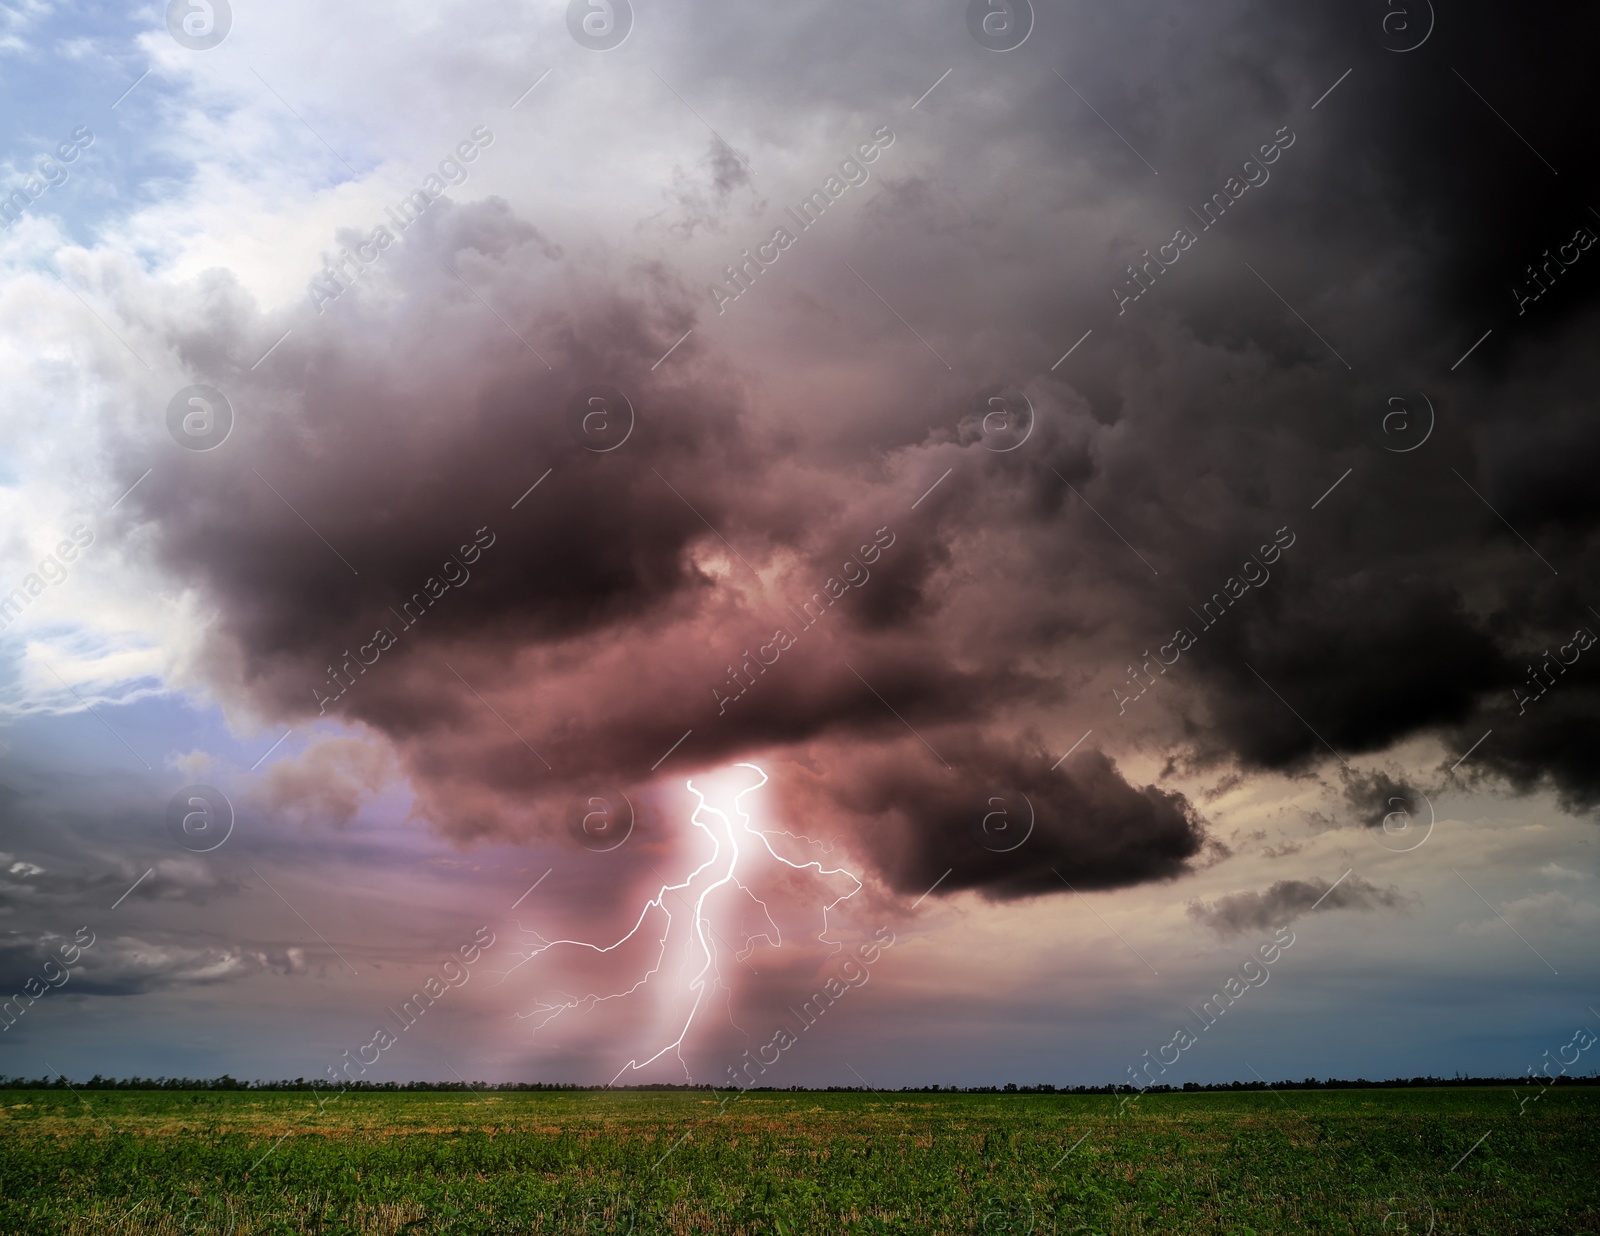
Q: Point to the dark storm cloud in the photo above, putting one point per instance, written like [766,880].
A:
[31,890]
[75,844]
[1287,900]
[78,867]
[1406,607]
[598,620]
[93,964]
[90,861]
[367,456]
[630,584]
[1377,795]
[1000,822]
[1544,724]
[1365,661]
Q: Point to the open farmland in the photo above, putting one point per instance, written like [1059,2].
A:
[250,1162]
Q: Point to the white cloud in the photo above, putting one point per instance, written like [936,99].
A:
[1544,914]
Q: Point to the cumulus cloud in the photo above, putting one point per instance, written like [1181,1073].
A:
[326,782]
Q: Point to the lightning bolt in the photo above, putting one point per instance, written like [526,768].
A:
[722,870]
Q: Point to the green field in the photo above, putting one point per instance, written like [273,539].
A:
[107,1162]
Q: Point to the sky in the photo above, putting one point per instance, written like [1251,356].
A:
[883,546]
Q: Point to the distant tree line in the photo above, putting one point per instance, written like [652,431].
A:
[226,1082]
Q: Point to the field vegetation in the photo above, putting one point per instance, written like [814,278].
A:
[248,1162]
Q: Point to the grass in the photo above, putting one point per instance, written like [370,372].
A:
[245,1163]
